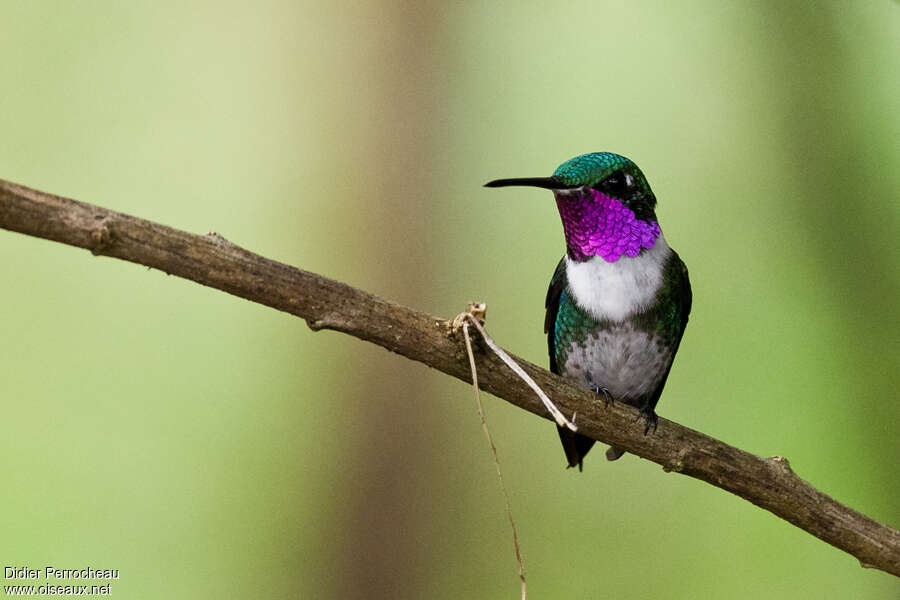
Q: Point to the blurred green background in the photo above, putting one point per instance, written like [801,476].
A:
[210,447]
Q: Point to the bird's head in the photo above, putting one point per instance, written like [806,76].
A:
[605,202]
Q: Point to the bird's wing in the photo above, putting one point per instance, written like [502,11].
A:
[557,285]
[680,289]
[684,296]
[574,444]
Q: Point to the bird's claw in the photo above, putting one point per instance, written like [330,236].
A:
[607,399]
[650,419]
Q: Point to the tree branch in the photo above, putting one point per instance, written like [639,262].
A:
[213,261]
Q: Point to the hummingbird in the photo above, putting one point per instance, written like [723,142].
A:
[619,300]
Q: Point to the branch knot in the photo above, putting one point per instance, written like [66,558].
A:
[101,238]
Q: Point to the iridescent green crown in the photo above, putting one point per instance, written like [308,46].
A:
[591,169]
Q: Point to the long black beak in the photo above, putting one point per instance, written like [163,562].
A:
[548,183]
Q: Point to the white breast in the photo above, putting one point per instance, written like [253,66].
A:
[617,290]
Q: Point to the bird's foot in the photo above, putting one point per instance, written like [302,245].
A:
[607,399]
[650,419]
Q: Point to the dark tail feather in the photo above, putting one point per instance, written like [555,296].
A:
[613,453]
[575,445]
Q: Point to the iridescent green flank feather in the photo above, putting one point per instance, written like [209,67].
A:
[572,327]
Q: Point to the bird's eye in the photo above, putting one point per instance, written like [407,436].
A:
[617,183]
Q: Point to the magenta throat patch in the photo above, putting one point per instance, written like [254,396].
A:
[597,225]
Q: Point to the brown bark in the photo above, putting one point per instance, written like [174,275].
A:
[327,304]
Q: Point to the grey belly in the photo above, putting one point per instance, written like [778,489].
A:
[626,361]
